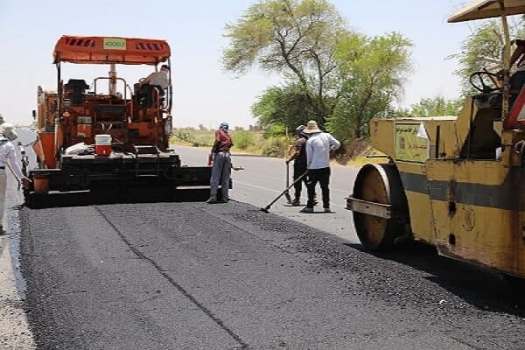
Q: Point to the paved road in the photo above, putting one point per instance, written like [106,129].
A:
[264,178]
[14,328]
[198,276]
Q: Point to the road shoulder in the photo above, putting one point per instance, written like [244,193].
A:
[14,328]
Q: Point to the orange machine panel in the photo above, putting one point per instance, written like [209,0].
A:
[103,50]
[45,149]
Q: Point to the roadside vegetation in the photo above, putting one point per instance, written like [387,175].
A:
[253,141]
[332,74]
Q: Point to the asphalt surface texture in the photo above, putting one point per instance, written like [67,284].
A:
[198,276]
[263,179]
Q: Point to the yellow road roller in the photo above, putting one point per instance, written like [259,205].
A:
[455,182]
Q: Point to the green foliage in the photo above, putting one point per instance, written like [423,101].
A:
[275,146]
[243,139]
[371,71]
[484,49]
[249,141]
[295,38]
[196,138]
[282,107]
[277,129]
[333,75]
[437,106]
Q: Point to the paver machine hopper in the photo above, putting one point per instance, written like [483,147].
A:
[111,141]
[455,182]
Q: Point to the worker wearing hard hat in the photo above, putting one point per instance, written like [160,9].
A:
[8,158]
[220,160]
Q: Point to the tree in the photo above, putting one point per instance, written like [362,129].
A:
[284,105]
[1,119]
[437,106]
[484,49]
[371,72]
[296,38]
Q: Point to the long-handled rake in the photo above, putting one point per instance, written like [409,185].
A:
[287,193]
[267,208]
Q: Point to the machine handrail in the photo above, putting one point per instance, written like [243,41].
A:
[126,86]
[157,98]
[109,78]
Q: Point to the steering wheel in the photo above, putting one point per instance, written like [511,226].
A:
[478,82]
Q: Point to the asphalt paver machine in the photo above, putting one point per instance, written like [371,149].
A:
[111,141]
[455,182]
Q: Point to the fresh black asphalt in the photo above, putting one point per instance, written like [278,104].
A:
[197,276]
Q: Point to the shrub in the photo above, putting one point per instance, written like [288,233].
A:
[243,139]
[275,130]
[196,138]
[275,146]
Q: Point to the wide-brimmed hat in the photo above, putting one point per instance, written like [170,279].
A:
[8,130]
[311,127]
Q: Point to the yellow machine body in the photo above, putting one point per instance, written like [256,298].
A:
[463,182]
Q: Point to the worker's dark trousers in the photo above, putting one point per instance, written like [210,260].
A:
[220,175]
[323,177]
[298,170]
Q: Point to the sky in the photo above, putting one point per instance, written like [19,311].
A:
[203,92]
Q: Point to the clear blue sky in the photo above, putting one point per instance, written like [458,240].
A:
[204,93]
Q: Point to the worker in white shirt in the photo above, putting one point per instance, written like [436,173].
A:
[8,158]
[159,80]
[318,148]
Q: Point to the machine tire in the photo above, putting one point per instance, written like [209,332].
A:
[380,183]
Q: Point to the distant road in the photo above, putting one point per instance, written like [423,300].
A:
[264,178]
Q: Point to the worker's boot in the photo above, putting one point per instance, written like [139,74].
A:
[307,210]
[212,200]
[296,202]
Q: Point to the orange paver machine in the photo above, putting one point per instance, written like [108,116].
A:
[115,139]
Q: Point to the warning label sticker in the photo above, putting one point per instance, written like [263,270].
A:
[410,145]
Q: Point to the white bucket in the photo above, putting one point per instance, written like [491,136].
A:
[103,144]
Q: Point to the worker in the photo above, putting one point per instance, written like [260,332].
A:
[159,80]
[8,155]
[318,148]
[299,163]
[220,159]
